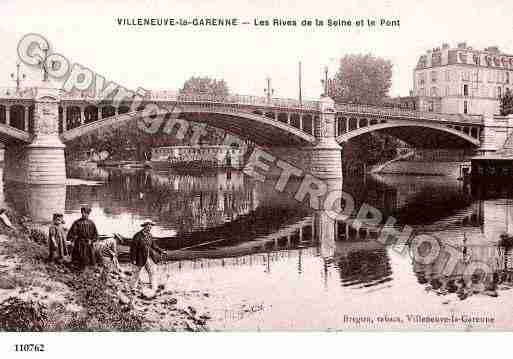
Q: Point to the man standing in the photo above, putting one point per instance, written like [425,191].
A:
[144,253]
[82,234]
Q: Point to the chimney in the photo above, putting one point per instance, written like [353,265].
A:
[493,49]
[462,45]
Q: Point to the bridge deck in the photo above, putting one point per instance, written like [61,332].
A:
[250,100]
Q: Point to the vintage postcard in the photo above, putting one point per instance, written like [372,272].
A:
[255,166]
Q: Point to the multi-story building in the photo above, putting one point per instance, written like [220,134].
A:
[462,79]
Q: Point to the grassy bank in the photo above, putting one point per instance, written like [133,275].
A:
[36,295]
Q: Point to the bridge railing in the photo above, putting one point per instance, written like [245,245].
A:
[258,101]
[175,96]
[396,112]
[243,100]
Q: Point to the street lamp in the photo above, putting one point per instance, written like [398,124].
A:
[18,77]
[44,65]
[324,81]
[269,91]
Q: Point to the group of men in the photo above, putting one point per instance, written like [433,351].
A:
[90,249]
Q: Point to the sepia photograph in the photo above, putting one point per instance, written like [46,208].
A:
[275,166]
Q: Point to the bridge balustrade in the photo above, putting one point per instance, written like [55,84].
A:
[175,96]
[413,114]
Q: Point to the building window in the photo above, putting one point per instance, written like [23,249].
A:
[475,76]
[465,90]
[421,79]
[499,92]
[507,77]
[447,92]
[431,105]
[447,75]
[433,76]
[465,107]
[433,92]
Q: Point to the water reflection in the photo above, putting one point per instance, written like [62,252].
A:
[364,264]
[177,203]
[242,239]
[463,280]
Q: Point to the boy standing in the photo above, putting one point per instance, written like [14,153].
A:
[57,247]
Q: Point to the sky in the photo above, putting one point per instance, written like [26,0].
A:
[86,32]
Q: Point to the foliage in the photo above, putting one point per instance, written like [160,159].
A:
[361,79]
[21,316]
[129,142]
[102,311]
[370,149]
[364,79]
[506,103]
[205,86]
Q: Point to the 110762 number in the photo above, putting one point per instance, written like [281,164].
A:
[29,347]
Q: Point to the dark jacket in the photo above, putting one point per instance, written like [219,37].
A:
[142,246]
[82,233]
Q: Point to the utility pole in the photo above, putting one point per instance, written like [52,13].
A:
[325,82]
[18,78]
[269,91]
[300,85]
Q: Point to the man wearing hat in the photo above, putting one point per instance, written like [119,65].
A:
[82,234]
[57,239]
[144,253]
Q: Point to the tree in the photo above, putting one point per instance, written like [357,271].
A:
[205,86]
[362,79]
[506,103]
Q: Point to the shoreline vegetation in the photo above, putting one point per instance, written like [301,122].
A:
[36,295]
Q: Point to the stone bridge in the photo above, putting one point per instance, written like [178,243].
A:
[36,123]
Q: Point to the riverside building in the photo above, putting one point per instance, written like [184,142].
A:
[462,79]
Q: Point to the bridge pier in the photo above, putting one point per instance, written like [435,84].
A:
[495,134]
[325,155]
[322,159]
[42,161]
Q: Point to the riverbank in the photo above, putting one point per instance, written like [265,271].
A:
[423,168]
[36,295]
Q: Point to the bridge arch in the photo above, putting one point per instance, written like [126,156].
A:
[90,114]
[391,126]
[72,117]
[264,129]
[17,116]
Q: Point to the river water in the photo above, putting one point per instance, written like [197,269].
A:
[257,259]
